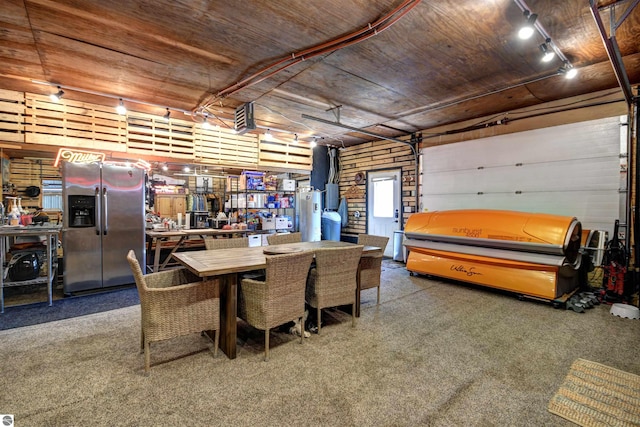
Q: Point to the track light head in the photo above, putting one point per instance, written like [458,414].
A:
[267,134]
[167,115]
[527,29]
[55,97]
[121,109]
[547,52]
[568,70]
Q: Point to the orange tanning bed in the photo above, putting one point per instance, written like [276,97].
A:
[527,253]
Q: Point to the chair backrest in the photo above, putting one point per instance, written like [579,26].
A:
[235,242]
[287,273]
[280,238]
[372,240]
[137,274]
[337,267]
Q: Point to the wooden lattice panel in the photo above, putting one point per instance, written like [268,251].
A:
[222,147]
[26,172]
[155,136]
[11,116]
[276,153]
[73,124]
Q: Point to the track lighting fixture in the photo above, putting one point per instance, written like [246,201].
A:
[165,168]
[205,124]
[295,138]
[314,142]
[267,134]
[527,29]
[167,115]
[55,97]
[121,109]
[547,51]
[568,70]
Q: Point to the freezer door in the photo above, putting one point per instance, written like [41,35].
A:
[122,205]
[81,246]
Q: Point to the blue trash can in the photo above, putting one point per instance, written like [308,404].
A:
[331,224]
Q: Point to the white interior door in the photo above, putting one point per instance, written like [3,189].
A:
[383,205]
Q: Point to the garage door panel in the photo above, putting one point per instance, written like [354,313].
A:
[567,142]
[569,170]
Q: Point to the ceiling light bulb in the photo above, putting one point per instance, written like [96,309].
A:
[547,53]
[267,134]
[314,143]
[167,115]
[121,109]
[568,70]
[165,168]
[527,30]
[187,169]
[206,124]
[295,138]
[55,97]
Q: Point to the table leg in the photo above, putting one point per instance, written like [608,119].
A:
[156,254]
[175,248]
[357,312]
[228,313]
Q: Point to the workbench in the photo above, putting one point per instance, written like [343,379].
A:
[50,234]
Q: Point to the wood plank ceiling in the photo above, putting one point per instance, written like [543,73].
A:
[442,62]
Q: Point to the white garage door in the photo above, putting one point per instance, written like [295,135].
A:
[573,170]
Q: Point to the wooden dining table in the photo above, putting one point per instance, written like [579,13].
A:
[226,264]
[155,238]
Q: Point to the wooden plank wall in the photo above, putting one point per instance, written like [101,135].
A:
[27,118]
[372,156]
[280,153]
[25,172]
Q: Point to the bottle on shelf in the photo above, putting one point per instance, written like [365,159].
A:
[13,217]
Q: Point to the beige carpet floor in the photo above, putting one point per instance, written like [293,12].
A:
[432,353]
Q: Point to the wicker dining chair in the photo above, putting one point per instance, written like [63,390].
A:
[332,281]
[235,242]
[175,303]
[279,298]
[280,238]
[371,266]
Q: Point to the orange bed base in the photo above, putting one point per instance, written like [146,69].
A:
[527,253]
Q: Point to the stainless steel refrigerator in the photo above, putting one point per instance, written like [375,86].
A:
[103,219]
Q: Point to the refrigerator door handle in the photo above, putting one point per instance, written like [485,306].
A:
[106,219]
[98,213]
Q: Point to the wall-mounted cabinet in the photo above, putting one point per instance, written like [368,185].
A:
[170,205]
